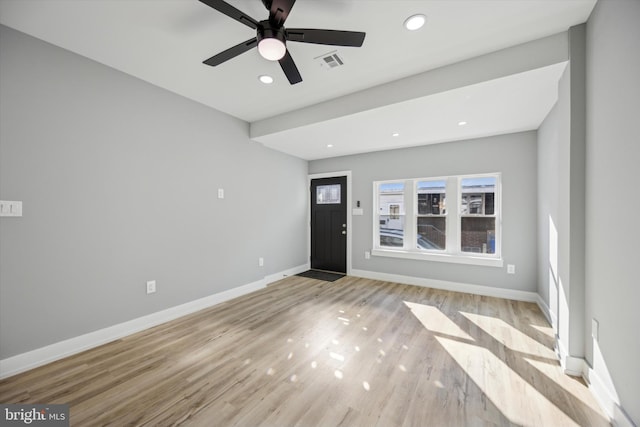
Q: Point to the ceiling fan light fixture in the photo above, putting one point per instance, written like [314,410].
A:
[272,36]
[272,49]
[415,22]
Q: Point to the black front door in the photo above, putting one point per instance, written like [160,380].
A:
[329,224]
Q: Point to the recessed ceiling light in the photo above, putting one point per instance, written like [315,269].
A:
[329,145]
[265,79]
[462,123]
[395,134]
[415,22]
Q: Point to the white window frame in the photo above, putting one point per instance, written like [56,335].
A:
[453,250]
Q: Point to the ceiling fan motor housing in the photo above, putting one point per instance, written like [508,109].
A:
[268,31]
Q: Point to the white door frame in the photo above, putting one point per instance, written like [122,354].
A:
[349,222]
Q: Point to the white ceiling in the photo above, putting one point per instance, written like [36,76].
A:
[515,103]
[165,41]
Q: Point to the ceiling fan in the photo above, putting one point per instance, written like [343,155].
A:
[271,36]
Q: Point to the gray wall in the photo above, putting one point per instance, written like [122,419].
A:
[514,155]
[561,204]
[613,206]
[119,183]
[553,202]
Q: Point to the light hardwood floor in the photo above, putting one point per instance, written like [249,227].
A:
[303,352]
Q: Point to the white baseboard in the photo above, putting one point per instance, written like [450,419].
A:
[290,272]
[571,365]
[576,366]
[41,356]
[449,286]
[607,399]
[544,308]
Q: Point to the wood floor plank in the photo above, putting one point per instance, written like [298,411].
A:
[304,352]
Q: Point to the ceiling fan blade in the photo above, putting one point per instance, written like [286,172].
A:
[290,69]
[232,52]
[330,37]
[279,10]
[224,7]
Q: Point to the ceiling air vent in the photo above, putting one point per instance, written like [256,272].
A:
[330,60]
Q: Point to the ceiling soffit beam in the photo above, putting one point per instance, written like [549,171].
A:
[516,59]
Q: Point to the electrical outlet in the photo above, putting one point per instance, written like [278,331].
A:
[260,262]
[367,255]
[151,286]
[511,269]
[220,193]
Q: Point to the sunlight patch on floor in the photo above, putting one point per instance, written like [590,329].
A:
[505,388]
[568,383]
[435,320]
[511,337]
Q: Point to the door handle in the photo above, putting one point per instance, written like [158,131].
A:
[344,231]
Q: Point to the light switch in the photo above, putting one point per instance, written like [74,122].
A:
[357,211]
[151,286]
[10,208]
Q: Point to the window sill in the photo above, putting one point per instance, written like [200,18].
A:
[442,257]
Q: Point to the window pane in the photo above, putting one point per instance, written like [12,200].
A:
[328,194]
[478,195]
[432,198]
[431,232]
[391,199]
[391,231]
[478,234]
[391,194]
[391,214]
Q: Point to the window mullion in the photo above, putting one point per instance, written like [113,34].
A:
[376,210]
[453,215]
[410,210]
[497,213]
